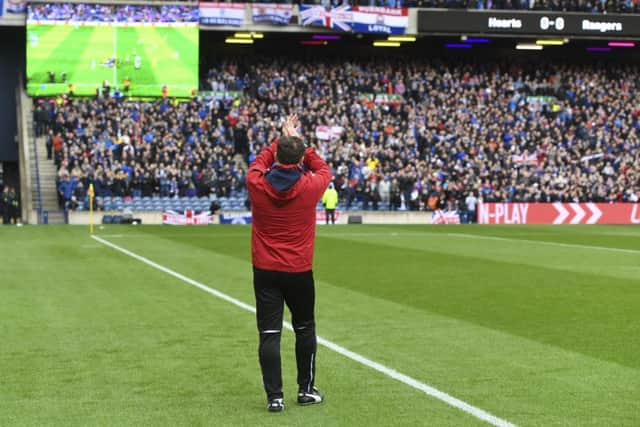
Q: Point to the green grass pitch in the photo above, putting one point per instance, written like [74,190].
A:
[539,326]
[168,56]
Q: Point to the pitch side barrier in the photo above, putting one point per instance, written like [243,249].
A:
[559,213]
[237,217]
[539,23]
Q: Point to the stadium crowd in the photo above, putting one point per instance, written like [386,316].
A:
[122,13]
[418,135]
[129,13]
[590,6]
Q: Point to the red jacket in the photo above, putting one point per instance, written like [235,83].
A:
[283,206]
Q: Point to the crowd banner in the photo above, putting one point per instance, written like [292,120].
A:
[592,157]
[188,217]
[559,213]
[382,20]
[226,96]
[329,133]
[13,12]
[226,14]
[268,13]
[528,23]
[526,159]
[18,7]
[239,219]
[358,19]
[338,18]
[445,217]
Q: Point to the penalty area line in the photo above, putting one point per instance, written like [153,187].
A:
[389,372]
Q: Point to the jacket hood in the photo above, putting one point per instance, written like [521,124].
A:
[282,179]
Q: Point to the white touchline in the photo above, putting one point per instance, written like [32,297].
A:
[544,242]
[482,237]
[392,373]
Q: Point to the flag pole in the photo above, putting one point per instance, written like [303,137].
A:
[91,194]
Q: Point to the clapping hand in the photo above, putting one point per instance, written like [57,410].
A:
[291,125]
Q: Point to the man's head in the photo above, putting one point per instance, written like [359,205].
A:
[290,150]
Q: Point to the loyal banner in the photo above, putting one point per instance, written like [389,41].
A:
[384,20]
[529,23]
[356,19]
[277,14]
[226,14]
[559,213]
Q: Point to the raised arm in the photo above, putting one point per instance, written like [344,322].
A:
[321,173]
[262,163]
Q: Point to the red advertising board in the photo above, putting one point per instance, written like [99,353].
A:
[559,213]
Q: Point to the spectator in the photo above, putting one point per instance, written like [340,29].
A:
[4,205]
[330,202]
[471,203]
[540,132]
[80,12]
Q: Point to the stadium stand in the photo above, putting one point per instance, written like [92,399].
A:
[591,6]
[81,12]
[433,133]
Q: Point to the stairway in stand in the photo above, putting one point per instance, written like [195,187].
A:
[48,189]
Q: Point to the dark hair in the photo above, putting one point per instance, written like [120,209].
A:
[290,150]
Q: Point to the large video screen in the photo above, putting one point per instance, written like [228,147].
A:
[137,50]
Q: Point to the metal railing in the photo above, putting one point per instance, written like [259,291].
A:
[34,145]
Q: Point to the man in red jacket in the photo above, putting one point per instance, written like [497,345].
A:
[285,183]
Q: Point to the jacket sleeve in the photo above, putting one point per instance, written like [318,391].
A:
[321,173]
[261,164]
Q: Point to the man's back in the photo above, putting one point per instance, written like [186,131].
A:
[283,203]
[283,200]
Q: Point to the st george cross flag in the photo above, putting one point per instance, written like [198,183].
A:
[189,217]
[525,159]
[338,18]
[327,133]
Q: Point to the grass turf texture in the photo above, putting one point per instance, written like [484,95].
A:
[524,322]
[169,56]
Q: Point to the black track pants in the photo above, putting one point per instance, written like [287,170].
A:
[272,290]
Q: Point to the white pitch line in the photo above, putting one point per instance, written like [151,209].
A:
[545,242]
[477,236]
[392,373]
